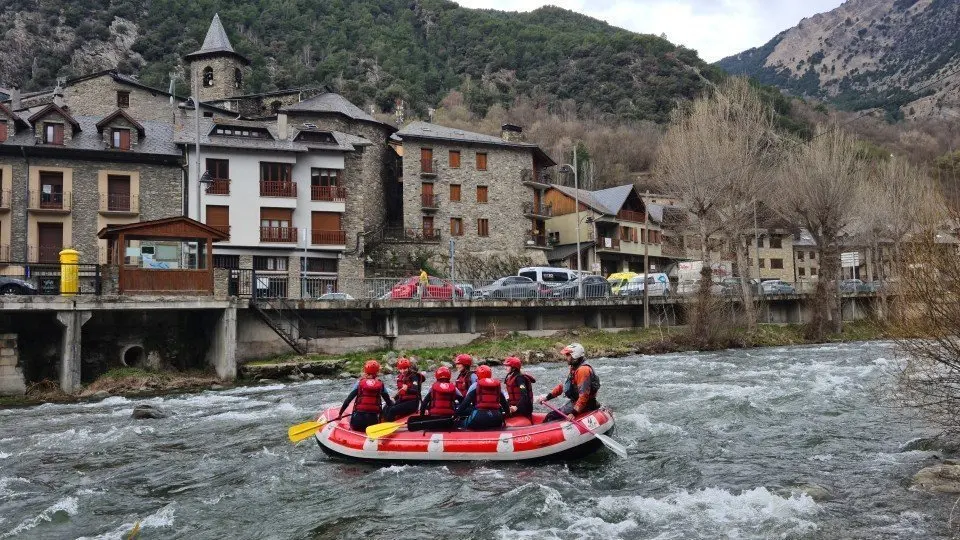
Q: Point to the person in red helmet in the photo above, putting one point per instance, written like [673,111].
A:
[485,405]
[409,381]
[442,398]
[580,388]
[466,378]
[370,394]
[519,387]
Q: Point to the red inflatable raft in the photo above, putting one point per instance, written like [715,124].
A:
[519,440]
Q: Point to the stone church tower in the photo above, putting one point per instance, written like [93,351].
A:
[221,70]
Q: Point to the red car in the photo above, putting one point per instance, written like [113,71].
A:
[437,289]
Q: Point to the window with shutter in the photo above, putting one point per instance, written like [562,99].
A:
[454,159]
[123,99]
[481,161]
[121,139]
[481,194]
[455,192]
[483,227]
[456,227]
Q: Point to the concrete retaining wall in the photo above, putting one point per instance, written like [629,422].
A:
[12,382]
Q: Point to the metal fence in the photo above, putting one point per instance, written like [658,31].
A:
[18,278]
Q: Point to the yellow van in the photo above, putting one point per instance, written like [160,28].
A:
[618,280]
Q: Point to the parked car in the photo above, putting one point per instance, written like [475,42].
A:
[691,286]
[619,279]
[659,285]
[336,296]
[731,286]
[849,286]
[548,276]
[436,289]
[593,287]
[511,287]
[9,286]
[776,286]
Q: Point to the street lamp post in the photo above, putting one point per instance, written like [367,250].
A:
[576,198]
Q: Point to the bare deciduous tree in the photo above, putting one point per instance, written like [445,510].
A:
[820,185]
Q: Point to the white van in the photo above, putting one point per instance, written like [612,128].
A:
[548,276]
[659,285]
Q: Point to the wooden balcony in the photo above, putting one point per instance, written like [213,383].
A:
[4,201]
[328,193]
[630,215]
[430,202]
[57,203]
[535,178]
[605,243]
[287,235]
[44,254]
[536,240]
[219,186]
[328,238]
[535,210]
[428,168]
[278,188]
[119,203]
[225,229]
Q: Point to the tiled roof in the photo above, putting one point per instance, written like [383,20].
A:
[560,253]
[157,139]
[184,134]
[613,198]
[215,42]
[330,102]
[426,130]
[119,113]
[587,198]
[54,108]
[609,201]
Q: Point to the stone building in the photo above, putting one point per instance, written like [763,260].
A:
[484,192]
[64,176]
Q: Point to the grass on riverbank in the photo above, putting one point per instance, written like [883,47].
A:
[597,344]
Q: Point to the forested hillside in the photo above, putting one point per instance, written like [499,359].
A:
[373,51]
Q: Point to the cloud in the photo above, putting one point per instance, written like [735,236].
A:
[715,28]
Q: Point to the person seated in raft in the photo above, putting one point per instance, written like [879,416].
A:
[466,378]
[442,398]
[368,391]
[409,381]
[519,389]
[486,399]
[580,388]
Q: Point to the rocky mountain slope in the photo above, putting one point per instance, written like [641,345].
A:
[375,52]
[900,55]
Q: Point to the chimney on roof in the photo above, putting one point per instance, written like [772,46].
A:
[511,133]
[15,102]
[282,125]
[58,92]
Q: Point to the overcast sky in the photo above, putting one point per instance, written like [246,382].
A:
[715,28]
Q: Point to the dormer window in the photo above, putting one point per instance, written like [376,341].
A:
[208,76]
[123,99]
[52,133]
[121,138]
[324,137]
[233,131]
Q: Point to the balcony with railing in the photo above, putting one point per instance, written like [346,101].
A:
[50,202]
[537,178]
[631,215]
[278,188]
[44,254]
[537,240]
[4,201]
[606,243]
[328,238]
[328,193]
[429,201]
[119,203]
[219,186]
[428,168]
[225,229]
[287,235]
[537,210]
[410,235]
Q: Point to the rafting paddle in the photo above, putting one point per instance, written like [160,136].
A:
[305,430]
[617,448]
[383,429]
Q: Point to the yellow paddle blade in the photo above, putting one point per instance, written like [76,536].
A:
[383,429]
[305,430]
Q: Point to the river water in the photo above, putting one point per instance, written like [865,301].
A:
[720,445]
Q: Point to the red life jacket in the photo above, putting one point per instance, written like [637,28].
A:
[410,378]
[442,396]
[463,381]
[513,383]
[368,396]
[488,394]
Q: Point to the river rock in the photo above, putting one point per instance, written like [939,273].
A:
[217,387]
[309,376]
[141,412]
[937,443]
[295,377]
[102,394]
[266,381]
[815,491]
[942,478]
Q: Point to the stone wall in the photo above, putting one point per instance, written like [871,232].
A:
[223,77]
[98,97]
[11,375]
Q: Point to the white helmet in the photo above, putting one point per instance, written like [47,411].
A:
[575,350]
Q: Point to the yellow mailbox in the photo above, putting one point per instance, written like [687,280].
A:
[69,276]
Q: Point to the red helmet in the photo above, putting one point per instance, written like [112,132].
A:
[512,362]
[403,363]
[464,360]
[484,372]
[442,373]
[372,367]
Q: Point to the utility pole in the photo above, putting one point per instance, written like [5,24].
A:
[646,263]
[576,197]
[196,123]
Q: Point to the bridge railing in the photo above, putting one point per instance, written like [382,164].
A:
[20,278]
